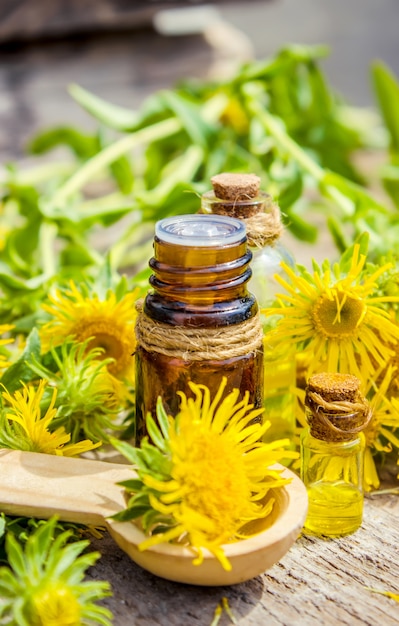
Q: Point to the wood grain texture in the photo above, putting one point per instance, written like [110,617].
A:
[77,490]
[317,583]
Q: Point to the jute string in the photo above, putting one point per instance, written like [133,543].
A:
[337,420]
[199,344]
[264,228]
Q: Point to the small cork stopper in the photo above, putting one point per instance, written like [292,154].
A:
[239,196]
[235,187]
[337,411]
[335,387]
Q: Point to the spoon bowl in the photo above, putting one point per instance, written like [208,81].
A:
[85,491]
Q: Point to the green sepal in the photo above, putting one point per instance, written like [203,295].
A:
[20,371]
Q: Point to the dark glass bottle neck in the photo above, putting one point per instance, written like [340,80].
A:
[200,286]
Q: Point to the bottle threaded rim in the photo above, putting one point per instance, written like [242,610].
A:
[200,230]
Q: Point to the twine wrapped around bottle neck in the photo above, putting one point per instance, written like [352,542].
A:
[263,229]
[199,344]
[336,410]
[238,195]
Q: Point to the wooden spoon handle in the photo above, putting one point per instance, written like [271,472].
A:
[77,490]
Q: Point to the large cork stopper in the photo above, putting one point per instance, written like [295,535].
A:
[337,410]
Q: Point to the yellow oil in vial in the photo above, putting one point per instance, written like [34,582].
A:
[335,509]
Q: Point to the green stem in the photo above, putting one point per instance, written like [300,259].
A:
[289,145]
[210,112]
[47,237]
[36,175]
[113,152]
[183,168]
[307,164]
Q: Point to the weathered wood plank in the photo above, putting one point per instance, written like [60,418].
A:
[318,583]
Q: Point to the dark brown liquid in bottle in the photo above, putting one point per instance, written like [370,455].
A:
[197,286]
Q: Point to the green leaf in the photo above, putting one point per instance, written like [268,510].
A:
[304,53]
[130,514]
[301,228]
[182,199]
[290,193]
[122,171]
[127,450]
[104,282]
[154,460]
[189,114]
[163,419]
[390,180]
[111,115]
[76,255]
[2,524]
[337,233]
[362,201]
[321,102]
[387,90]
[346,259]
[13,283]
[84,146]
[122,287]
[132,485]
[155,433]
[15,555]
[20,371]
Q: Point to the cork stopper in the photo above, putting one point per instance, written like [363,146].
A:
[337,410]
[239,196]
[235,187]
[335,387]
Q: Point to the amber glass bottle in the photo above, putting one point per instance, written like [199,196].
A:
[239,196]
[332,450]
[199,323]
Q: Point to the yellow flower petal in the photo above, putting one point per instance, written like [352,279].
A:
[220,473]
[109,324]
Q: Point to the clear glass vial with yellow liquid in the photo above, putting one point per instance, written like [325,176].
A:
[239,195]
[332,454]
[199,322]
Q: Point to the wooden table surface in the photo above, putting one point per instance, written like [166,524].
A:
[318,582]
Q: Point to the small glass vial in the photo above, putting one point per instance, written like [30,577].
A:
[332,454]
[199,323]
[239,196]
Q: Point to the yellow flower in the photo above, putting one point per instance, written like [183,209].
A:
[56,605]
[89,397]
[337,319]
[43,583]
[24,428]
[109,324]
[380,433]
[218,472]
[235,116]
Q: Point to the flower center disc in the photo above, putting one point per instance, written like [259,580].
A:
[339,316]
[110,341]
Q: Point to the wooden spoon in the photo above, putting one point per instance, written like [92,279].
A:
[84,491]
